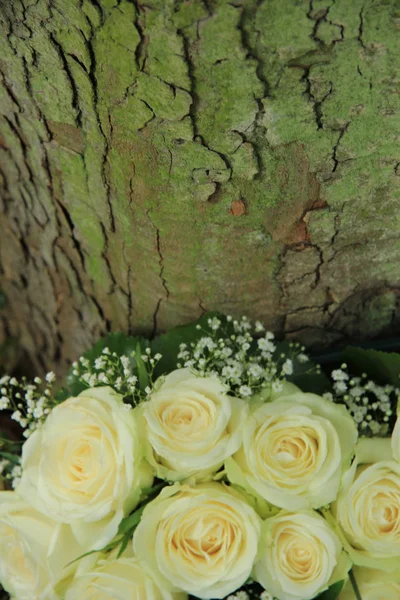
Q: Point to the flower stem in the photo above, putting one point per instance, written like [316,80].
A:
[355,586]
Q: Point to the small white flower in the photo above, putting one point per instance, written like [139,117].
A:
[339,375]
[245,391]
[100,363]
[255,370]
[214,323]
[277,386]
[259,327]
[266,345]
[106,351]
[340,387]
[287,367]
[16,416]
[50,377]
[4,402]
[302,358]
[266,596]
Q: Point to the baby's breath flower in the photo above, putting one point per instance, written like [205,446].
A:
[245,390]
[266,345]
[50,377]
[302,358]
[277,386]
[287,367]
[258,327]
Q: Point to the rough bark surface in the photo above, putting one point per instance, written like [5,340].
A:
[163,158]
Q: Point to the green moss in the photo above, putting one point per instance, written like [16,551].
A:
[165,120]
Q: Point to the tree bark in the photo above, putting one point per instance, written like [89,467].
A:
[163,158]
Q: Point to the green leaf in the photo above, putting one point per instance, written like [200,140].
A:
[132,521]
[305,375]
[382,367]
[151,491]
[124,544]
[333,592]
[143,375]
[11,457]
[168,343]
[106,548]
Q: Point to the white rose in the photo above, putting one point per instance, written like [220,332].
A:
[299,556]
[121,578]
[202,539]
[34,551]
[192,425]
[295,450]
[367,512]
[395,441]
[84,466]
[373,584]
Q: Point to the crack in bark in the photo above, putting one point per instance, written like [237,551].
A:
[74,88]
[335,148]
[153,116]
[79,62]
[259,128]
[202,307]
[322,17]
[193,108]
[141,48]
[318,106]
[10,92]
[71,227]
[107,260]
[318,19]
[161,273]
[94,84]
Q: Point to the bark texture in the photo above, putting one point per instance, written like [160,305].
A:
[167,157]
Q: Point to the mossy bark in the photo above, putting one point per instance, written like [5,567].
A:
[163,158]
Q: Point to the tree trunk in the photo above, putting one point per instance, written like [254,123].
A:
[163,158]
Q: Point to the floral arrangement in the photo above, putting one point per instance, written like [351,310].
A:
[211,462]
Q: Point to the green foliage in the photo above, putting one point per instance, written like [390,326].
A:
[307,376]
[382,367]
[333,592]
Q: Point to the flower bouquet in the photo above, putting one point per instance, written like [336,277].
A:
[211,462]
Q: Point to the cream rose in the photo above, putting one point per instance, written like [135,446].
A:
[85,466]
[395,441]
[202,539]
[295,450]
[373,584]
[299,556]
[367,512]
[34,551]
[121,578]
[192,426]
